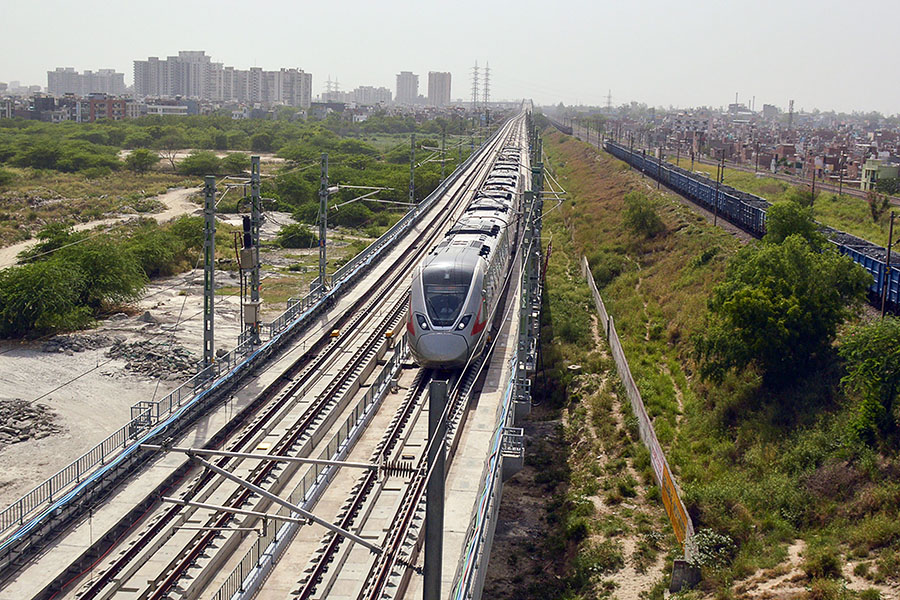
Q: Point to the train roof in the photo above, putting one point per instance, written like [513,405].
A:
[486,204]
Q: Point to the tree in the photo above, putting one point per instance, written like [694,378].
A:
[787,218]
[778,309]
[640,215]
[40,297]
[261,142]
[889,186]
[236,162]
[141,160]
[297,236]
[871,352]
[878,204]
[200,162]
[168,147]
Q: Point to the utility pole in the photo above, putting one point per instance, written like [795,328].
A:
[659,167]
[443,150]
[323,222]
[887,268]
[719,173]
[841,175]
[254,244]
[412,168]
[813,199]
[209,272]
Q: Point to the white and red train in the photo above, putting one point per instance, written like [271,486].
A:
[457,286]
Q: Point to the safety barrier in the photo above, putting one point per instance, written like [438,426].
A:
[681,521]
[480,531]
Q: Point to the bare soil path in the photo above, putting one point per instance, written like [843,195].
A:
[177,202]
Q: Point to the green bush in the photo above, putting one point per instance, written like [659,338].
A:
[640,215]
[200,162]
[823,562]
[351,215]
[141,160]
[6,177]
[297,236]
[236,163]
[39,297]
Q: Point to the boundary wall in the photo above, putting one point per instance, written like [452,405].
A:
[678,516]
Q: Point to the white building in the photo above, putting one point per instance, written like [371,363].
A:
[438,88]
[407,87]
[192,74]
[366,95]
[66,80]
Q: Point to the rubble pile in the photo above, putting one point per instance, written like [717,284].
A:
[21,421]
[77,343]
[158,360]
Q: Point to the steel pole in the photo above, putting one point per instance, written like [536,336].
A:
[255,212]
[209,271]
[412,168]
[887,268]
[323,222]
[434,498]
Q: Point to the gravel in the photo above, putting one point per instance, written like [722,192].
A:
[21,421]
[159,360]
[77,343]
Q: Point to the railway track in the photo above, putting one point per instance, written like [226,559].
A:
[181,550]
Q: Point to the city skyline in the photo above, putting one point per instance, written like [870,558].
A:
[649,52]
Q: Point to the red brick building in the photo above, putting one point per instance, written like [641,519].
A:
[105,107]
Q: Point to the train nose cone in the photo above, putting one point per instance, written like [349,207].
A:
[444,348]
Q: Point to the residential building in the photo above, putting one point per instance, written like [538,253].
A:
[192,74]
[366,95]
[438,88]
[875,169]
[103,107]
[407,87]
[66,80]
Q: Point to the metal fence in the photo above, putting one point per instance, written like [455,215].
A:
[681,521]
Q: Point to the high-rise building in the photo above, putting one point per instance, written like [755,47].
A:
[438,88]
[66,80]
[192,74]
[366,95]
[407,87]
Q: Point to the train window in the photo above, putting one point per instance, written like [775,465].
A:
[445,293]
[445,302]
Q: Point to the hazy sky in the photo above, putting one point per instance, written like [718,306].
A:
[824,54]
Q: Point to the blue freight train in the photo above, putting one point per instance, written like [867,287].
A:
[749,213]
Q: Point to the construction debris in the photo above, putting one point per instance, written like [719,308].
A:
[158,359]
[21,421]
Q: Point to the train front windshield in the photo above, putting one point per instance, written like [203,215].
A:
[445,294]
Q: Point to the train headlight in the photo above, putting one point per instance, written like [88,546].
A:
[465,321]
[422,321]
